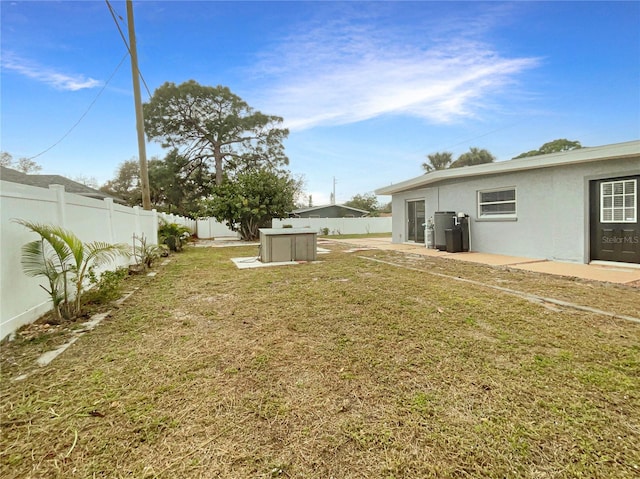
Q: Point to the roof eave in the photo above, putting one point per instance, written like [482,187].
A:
[584,155]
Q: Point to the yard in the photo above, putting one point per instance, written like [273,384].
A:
[346,368]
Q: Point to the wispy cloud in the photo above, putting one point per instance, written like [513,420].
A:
[342,72]
[56,79]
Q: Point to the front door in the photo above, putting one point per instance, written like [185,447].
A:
[415,221]
[615,226]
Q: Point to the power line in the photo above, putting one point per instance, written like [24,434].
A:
[86,111]
[468,140]
[483,135]
[115,17]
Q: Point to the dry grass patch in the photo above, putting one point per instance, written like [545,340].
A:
[344,368]
[615,298]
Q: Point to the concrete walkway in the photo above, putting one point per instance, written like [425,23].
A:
[618,273]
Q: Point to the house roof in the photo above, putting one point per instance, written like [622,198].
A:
[321,207]
[628,149]
[43,181]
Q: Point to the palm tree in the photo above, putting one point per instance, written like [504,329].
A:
[46,257]
[65,261]
[475,156]
[437,161]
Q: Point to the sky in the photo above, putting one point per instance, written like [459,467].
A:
[367,89]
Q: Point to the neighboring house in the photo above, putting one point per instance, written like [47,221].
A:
[576,206]
[43,181]
[328,211]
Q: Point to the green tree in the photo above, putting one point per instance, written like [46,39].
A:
[176,185]
[555,146]
[386,208]
[367,202]
[252,198]
[126,184]
[475,156]
[437,161]
[213,124]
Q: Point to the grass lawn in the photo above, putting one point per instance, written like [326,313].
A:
[346,368]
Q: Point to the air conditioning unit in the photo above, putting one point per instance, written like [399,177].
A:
[442,221]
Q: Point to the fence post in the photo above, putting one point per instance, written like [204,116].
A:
[109,207]
[156,221]
[61,204]
[136,214]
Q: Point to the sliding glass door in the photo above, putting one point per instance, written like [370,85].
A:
[415,220]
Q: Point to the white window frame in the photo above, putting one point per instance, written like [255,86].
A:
[613,209]
[496,216]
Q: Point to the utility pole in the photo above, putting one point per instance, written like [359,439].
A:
[333,195]
[142,152]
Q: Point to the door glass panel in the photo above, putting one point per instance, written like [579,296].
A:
[411,213]
[629,212]
[629,187]
[618,201]
[415,220]
[420,220]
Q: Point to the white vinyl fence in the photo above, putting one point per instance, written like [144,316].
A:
[22,300]
[180,220]
[339,226]
[208,228]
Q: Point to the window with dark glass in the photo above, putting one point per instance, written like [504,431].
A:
[497,203]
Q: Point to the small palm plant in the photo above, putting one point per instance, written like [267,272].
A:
[145,254]
[47,257]
[66,263]
[172,234]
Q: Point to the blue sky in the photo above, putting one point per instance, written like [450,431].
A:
[368,89]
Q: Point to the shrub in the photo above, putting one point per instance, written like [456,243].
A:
[173,235]
[107,288]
